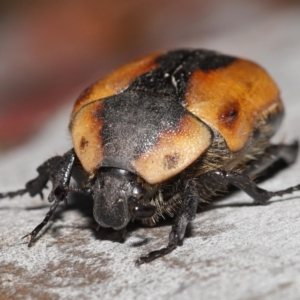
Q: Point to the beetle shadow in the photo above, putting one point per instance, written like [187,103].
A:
[216,205]
[25,208]
[50,226]
[84,205]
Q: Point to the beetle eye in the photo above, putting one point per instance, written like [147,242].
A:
[144,211]
[141,211]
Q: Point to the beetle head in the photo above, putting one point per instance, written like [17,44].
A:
[118,198]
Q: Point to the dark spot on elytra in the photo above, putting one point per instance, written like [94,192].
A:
[83,143]
[171,161]
[229,115]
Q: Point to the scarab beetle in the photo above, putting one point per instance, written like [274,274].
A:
[164,133]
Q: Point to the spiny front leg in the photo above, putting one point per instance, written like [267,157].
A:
[60,178]
[61,195]
[38,228]
[186,214]
[36,186]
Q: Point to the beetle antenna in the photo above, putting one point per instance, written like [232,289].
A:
[13,194]
[21,192]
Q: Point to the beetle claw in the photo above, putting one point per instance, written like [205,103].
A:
[31,237]
[25,236]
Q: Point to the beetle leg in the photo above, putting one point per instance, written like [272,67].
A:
[186,214]
[36,186]
[274,153]
[38,228]
[60,178]
[216,179]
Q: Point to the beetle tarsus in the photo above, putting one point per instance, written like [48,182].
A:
[186,214]
[289,190]
[155,254]
[217,179]
[38,228]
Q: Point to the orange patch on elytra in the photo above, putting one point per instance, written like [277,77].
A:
[232,99]
[175,150]
[85,129]
[117,81]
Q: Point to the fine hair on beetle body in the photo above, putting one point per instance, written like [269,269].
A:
[164,133]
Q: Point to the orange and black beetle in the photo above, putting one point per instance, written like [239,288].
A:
[163,133]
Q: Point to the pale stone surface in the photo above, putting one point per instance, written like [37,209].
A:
[234,250]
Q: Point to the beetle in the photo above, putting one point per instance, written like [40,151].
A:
[164,133]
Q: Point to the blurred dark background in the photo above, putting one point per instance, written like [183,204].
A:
[51,50]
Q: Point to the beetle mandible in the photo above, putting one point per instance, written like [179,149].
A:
[164,133]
